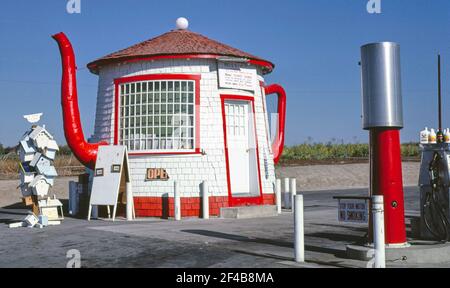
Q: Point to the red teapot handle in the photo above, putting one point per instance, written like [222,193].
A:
[278,144]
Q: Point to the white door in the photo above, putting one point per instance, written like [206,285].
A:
[241,149]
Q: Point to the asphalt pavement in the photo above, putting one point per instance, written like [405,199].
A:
[192,242]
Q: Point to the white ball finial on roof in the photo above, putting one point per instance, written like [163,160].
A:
[182,23]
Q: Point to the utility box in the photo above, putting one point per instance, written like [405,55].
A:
[381,85]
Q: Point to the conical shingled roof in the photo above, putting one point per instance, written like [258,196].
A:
[178,44]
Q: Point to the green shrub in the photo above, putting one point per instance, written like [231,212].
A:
[333,150]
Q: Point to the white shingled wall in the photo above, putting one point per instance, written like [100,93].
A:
[188,170]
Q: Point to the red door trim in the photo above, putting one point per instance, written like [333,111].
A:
[241,201]
[148,77]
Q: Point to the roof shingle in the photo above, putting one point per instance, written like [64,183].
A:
[175,42]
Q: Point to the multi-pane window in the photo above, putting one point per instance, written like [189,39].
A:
[236,119]
[157,115]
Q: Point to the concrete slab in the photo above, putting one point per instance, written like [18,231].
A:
[418,252]
[245,212]
[292,264]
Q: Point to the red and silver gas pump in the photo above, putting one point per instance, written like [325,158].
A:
[383,117]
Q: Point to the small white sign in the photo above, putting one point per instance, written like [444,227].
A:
[353,210]
[236,76]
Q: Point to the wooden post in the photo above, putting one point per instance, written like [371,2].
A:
[35,205]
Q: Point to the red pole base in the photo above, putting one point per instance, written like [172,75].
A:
[386,179]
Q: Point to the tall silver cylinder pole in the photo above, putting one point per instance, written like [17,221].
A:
[176,201]
[278,194]
[205,200]
[299,242]
[378,231]
[287,196]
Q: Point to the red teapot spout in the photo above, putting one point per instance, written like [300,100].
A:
[85,152]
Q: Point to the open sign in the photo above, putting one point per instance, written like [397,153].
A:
[154,174]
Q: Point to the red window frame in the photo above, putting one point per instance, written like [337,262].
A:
[150,77]
[241,201]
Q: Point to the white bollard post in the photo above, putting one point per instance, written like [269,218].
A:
[378,231]
[293,191]
[130,206]
[299,232]
[278,194]
[287,196]
[176,201]
[205,200]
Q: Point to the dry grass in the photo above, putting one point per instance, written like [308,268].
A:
[66,165]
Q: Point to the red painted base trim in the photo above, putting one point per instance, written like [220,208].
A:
[268,199]
[163,207]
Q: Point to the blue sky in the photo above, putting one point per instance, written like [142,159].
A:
[314,44]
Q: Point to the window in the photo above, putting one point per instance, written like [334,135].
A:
[157,115]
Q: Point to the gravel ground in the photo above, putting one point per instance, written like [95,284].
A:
[9,194]
[329,177]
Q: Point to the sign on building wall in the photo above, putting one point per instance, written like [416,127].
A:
[237,76]
[154,174]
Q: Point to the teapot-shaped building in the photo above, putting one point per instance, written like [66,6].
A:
[189,109]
